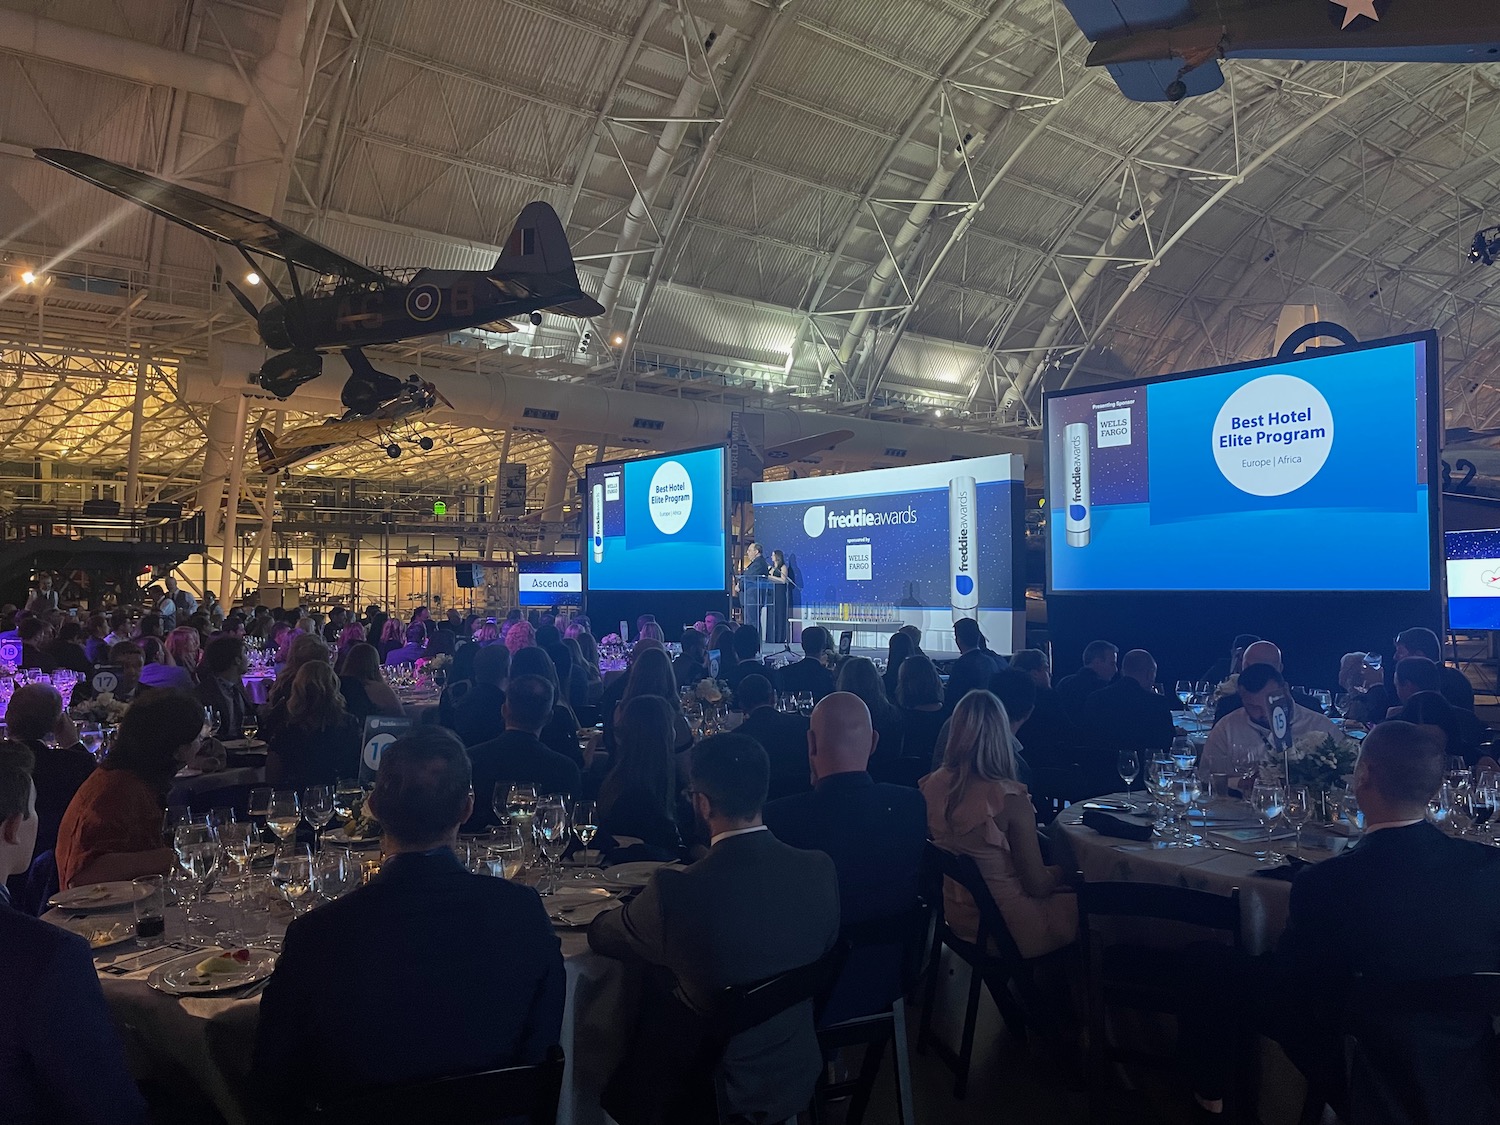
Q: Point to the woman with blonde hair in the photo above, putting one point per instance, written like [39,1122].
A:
[314,740]
[306,648]
[976,807]
[160,670]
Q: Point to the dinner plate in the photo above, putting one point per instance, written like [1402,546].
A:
[181,977]
[337,837]
[99,896]
[570,898]
[100,933]
[636,874]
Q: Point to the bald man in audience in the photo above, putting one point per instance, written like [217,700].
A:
[1261,652]
[874,833]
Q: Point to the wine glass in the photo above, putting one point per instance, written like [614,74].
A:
[1325,700]
[336,873]
[1184,690]
[174,815]
[520,803]
[1270,802]
[284,814]
[805,702]
[346,790]
[291,873]
[1186,789]
[1160,773]
[1128,765]
[1485,799]
[1184,754]
[92,738]
[210,722]
[317,810]
[586,827]
[506,847]
[1351,814]
[198,856]
[1440,805]
[1298,810]
[550,824]
[249,726]
[259,805]
[236,845]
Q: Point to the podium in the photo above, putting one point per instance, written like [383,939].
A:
[756,595]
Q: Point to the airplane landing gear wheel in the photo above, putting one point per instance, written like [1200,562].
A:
[425,444]
[536,318]
[282,374]
[393,451]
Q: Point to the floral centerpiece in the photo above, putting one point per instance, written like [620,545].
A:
[1230,686]
[1319,761]
[712,691]
[104,709]
[360,825]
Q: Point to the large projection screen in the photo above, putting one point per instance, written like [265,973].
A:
[925,543]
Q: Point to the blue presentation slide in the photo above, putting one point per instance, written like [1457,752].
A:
[658,523]
[1281,476]
[1473,559]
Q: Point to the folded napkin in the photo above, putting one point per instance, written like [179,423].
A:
[1286,872]
[1107,824]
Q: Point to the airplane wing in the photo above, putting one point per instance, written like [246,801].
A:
[1143,80]
[801,447]
[210,217]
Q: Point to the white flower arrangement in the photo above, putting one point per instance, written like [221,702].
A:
[1320,761]
[104,708]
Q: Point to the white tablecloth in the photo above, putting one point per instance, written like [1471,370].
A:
[211,1040]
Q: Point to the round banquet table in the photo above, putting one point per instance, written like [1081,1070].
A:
[210,1041]
[1217,869]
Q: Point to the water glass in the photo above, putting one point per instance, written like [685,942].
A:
[284,814]
[1299,810]
[506,848]
[550,824]
[1269,801]
[291,874]
[1184,690]
[260,803]
[317,810]
[1128,764]
[336,873]
[92,738]
[150,910]
[197,851]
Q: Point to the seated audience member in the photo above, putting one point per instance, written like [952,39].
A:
[184,645]
[1016,692]
[1409,902]
[347,638]
[392,637]
[363,687]
[1413,674]
[66,650]
[692,665]
[560,734]
[521,634]
[858,676]
[477,717]
[302,648]
[1052,738]
[977,807]
[1100,664]
[112,830]
[128,657]
[747,657]
[1429,708]
[919,693]
[638,797]
[1455,685]
[36,635]
[1128,714]
[415,647]
[782,736]
[1228,666]
[518,756]
[468,967]
[875,835]
[614,691]
[810,674]
[1238,741]
[975,664]
[899,648]
[221,685]
[34,715]
[571,679]
[60,1059]
[1262,652]
[547,635]
[119,628]
[95,647]
[312,740]
[720,641]
[751,908]
[1366,698]
[594,683]
[650,674]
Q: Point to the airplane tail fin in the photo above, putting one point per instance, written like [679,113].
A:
[266,455]
[538,247]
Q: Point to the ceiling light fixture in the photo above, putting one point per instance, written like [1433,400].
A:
[619,340]
[28,278]
[252,278]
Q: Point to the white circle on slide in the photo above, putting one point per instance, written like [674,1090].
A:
[815,520]
[1273,435]
[671,499]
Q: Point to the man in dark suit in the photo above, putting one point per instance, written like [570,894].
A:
[1406,903]
[1128,714]
[750,909]
[477,717]
[874,834]
[1455,686]
[60,1059]
[809,674]
[463,971]
[974,666]
[1052,738]
[747,656]
[783,737]
[221,685]
[692,665]
[519,755]
[1100,662]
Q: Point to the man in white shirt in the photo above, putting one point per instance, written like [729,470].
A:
[1242,738]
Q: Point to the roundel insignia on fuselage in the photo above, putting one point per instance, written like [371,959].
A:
[423,302]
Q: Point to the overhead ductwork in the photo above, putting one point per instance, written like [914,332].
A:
[588,413]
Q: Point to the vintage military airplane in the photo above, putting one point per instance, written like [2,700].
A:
[1166,50]
[381,408]
[350,305]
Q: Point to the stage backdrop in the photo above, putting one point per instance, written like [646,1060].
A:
[922,544]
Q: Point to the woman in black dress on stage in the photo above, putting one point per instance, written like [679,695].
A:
[779,624]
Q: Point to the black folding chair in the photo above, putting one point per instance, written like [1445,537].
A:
[993,958]
[896,936]
[743,1006]
[513,1093]
[1123,974]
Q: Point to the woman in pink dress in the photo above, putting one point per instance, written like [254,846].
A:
[976,807]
